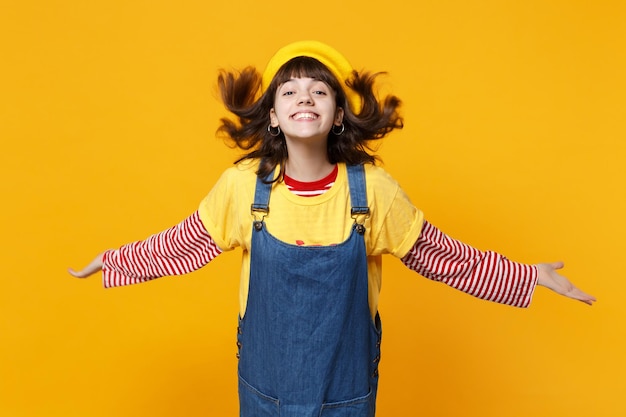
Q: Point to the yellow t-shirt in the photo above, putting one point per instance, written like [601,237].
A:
[393,226]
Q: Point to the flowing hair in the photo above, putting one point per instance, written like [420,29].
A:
[241,94]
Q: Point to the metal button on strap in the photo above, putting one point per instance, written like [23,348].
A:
[238,342]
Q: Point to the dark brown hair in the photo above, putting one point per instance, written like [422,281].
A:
[241,94]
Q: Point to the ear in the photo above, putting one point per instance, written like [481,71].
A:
[273,118]
[339,116]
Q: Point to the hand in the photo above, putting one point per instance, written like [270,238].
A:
[93,267]
[549,277]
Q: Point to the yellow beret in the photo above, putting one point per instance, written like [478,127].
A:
[331,58]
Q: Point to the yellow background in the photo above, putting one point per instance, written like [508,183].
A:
[514,141]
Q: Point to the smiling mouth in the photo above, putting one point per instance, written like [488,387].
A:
[304,116]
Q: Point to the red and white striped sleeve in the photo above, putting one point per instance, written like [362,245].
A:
[178,250]
[486,275]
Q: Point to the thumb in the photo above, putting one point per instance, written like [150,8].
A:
[556,265]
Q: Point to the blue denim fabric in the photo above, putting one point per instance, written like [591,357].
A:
[308,346]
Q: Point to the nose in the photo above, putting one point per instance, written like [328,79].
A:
[305,98]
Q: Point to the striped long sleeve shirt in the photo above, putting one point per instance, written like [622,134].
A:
[187,247]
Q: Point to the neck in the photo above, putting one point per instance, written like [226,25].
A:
[307,164]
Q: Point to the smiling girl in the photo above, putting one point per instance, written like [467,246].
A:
[313,216]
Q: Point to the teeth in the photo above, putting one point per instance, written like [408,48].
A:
[300,116]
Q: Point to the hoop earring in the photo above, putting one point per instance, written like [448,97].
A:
[273,132]
[338,133]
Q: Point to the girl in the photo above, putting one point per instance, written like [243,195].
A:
[309,333]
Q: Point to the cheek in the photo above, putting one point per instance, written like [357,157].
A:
[279,109]
[277,112]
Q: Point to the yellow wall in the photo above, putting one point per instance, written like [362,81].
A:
[514,141]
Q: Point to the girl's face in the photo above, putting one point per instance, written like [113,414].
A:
[305,108]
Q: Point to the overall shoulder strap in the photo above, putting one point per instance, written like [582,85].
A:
[358,194]
[260,207]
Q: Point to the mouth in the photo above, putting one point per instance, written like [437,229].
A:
[304,116]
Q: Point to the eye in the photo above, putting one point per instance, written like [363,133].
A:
[319,92]
[288,93]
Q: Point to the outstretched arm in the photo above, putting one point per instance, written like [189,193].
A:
[181,249]
[484,274]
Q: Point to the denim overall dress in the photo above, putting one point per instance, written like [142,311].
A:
[308,346]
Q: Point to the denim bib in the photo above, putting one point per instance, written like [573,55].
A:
[308,346]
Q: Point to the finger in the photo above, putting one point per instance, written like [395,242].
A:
[557,265]
[85,272]
[588,302]
[582,296]
[78,274]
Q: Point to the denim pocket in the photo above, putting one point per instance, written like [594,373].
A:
[253,402]
[356,407]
